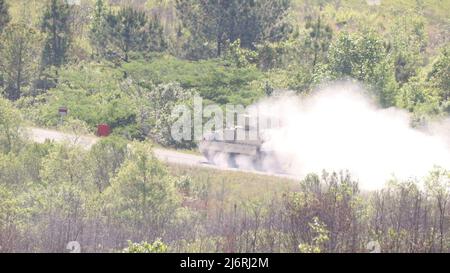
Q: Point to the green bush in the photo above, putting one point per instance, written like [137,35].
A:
[144,247]
[211,78]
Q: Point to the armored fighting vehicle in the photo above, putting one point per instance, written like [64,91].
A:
[237,147]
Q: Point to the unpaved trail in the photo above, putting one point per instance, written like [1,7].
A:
[40,135]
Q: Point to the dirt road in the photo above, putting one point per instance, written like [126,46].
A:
[169,156]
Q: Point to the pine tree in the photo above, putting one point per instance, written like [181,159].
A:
[156,40]
[4,15]
[56,25]
[21,47]
[126,31]
[225,21]
[98,31]
[319,40]
[439,76]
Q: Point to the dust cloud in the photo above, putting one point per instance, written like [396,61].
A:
[341,128]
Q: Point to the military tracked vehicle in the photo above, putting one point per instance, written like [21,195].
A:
[235,147]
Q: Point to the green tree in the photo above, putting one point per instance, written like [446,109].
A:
[107,156]
[142,196]
[318,39]
[11,214]
[332,199]
[439,77]
[130,30]
[238,56]
[144,247]
[320,239]
[356,55]
[20,50]
[56,26]
[156,40]
[407,43]
[127,31]
[62,165]
[438,187]
[10,122]
[98,31]
[362,56]
[153,105]
[220,21]
[59,201]
[4,15]
[411,95]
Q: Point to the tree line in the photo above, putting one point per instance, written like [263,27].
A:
[293,54]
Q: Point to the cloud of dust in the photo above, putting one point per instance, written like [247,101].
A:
[341,128]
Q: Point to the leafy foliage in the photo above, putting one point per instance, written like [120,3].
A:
[4,14]
[10,121]
[439,77]
[211,79]
[19,52]
[116,34]
[322,237]
[56,26]
[362,56]
[142,195]
[144,247]
[227,21]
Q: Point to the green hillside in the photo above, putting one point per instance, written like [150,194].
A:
[130,63]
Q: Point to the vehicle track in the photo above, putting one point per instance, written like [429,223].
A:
[40,135]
